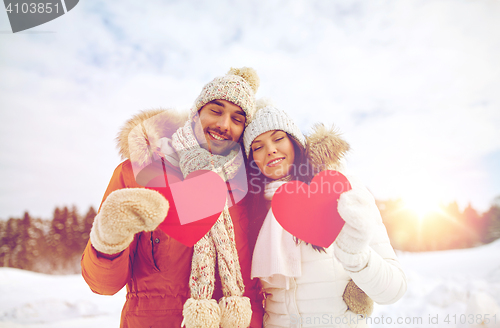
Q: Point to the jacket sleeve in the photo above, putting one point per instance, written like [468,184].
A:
[106,274]
[383,279]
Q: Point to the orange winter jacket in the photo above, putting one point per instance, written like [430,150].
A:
[156,268]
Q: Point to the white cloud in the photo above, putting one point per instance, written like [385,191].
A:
[413,85]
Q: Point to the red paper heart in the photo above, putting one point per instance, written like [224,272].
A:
[197,203]
[310,212]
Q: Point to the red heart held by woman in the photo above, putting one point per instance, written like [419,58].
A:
[197,203]
[310,212]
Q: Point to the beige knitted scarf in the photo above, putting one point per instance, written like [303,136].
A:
[200,310]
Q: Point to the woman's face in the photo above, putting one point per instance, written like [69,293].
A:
[273,153]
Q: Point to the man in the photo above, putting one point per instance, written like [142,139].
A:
[168,283]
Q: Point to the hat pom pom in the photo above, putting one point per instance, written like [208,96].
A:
[263,103]
[201,313]
[236,312]
[249,74]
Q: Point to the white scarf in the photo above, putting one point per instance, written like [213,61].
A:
[276,257]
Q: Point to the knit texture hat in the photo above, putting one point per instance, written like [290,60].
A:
[268,117]
[238,86]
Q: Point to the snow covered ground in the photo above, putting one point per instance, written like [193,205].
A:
[444,289]
[29,299]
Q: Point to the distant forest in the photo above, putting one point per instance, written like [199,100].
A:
[442,229]
[55,246]
[48,246]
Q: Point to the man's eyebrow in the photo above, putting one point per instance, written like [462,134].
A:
[218,103]
[240,112]
[221,104]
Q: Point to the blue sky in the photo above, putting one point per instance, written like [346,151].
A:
[413,86]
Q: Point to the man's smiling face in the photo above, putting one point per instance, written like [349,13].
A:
[219,126]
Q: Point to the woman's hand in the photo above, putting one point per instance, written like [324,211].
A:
[358,209]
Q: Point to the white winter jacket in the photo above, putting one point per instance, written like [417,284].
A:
[314,298]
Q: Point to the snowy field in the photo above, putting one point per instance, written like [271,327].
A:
[445,289]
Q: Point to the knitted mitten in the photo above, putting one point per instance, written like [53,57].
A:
[356,300]
[124,213]
[358,209]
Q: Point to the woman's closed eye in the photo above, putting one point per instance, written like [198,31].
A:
[256,148]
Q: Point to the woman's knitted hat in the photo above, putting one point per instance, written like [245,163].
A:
[238,86]
[267,118]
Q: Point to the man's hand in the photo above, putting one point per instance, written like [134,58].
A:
[124,213]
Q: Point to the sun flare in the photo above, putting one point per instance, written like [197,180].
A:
[422,206]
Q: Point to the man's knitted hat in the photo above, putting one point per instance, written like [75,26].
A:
[267,118]
[238,86]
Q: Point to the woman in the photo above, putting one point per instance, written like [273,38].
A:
[306,285]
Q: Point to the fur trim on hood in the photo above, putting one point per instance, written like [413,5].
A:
[139,136]
[325,148]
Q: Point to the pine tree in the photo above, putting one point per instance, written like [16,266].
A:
[4,248]
[9,248]
[72,233]
[88,220]
[56,238]
[24,258]
[475,226]
[492,221]
[41,252]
